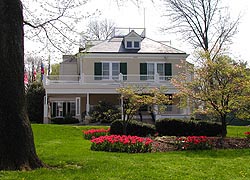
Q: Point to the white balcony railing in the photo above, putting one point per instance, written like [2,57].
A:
[92,79]
[62,79]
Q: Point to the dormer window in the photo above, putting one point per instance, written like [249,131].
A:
[129,44]
[132,40]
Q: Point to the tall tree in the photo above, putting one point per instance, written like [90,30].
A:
[99,30]
[219,87]
[205,24]
[17,150]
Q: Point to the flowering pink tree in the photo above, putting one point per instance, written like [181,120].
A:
[134,97]
[219,87]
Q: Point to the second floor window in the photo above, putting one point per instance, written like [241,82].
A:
[148,71]
[109,70]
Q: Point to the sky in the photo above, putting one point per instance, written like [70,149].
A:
[127,14]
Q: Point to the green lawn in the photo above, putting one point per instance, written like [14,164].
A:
[70,157]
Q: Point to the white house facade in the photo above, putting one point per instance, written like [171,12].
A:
[95,73]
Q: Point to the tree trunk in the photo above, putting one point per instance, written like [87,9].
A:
[17,149]
[224,126]
[124,127]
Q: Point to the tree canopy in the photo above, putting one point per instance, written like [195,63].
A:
[219,87]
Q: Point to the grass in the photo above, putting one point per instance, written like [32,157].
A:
[237,131]
[70,157]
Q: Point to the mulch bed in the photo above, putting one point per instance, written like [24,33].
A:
[167,143]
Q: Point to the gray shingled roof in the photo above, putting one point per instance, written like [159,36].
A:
[115,45]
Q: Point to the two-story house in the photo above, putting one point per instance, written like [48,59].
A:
[95,73]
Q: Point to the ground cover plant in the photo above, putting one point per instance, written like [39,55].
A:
[69,157]
[117,143]
[194,143]
[94,133]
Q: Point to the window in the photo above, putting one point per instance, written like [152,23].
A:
[136,44]
[63,108]
[149,70]
[109,70]
[129,44]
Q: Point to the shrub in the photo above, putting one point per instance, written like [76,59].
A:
[94,133]
[117,143]
[104,112]
[179,127]
[35,96]
[65,120]
[134,128]
[194,143]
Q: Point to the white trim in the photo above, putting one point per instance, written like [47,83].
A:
[87,105]
[164,56]
[78,106]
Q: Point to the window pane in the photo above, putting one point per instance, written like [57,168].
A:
[73,108]
[160,71]
[129,44]
[136,44]
[105,70]
[151,71]
[115,70]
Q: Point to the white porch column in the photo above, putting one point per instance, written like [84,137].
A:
[44,79]
[45,110]
[87,105]
[122,110]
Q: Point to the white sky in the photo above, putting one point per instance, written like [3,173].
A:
[129,15]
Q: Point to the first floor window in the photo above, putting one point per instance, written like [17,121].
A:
[63,108]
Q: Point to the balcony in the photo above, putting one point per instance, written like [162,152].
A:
[119,79]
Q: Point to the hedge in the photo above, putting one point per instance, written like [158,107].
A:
[66,120]
[178,127]
[134,128]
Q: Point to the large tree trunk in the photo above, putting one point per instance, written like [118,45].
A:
[17,149]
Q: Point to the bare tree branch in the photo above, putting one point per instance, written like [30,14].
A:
[203,23]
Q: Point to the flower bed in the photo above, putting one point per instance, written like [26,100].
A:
[117,143]
[194,143]
[168,143]
[247,134]
[94,133]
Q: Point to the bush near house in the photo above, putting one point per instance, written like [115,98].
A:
[64,120]
[134,128]
[104,112]
[34,95]
[178,127]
